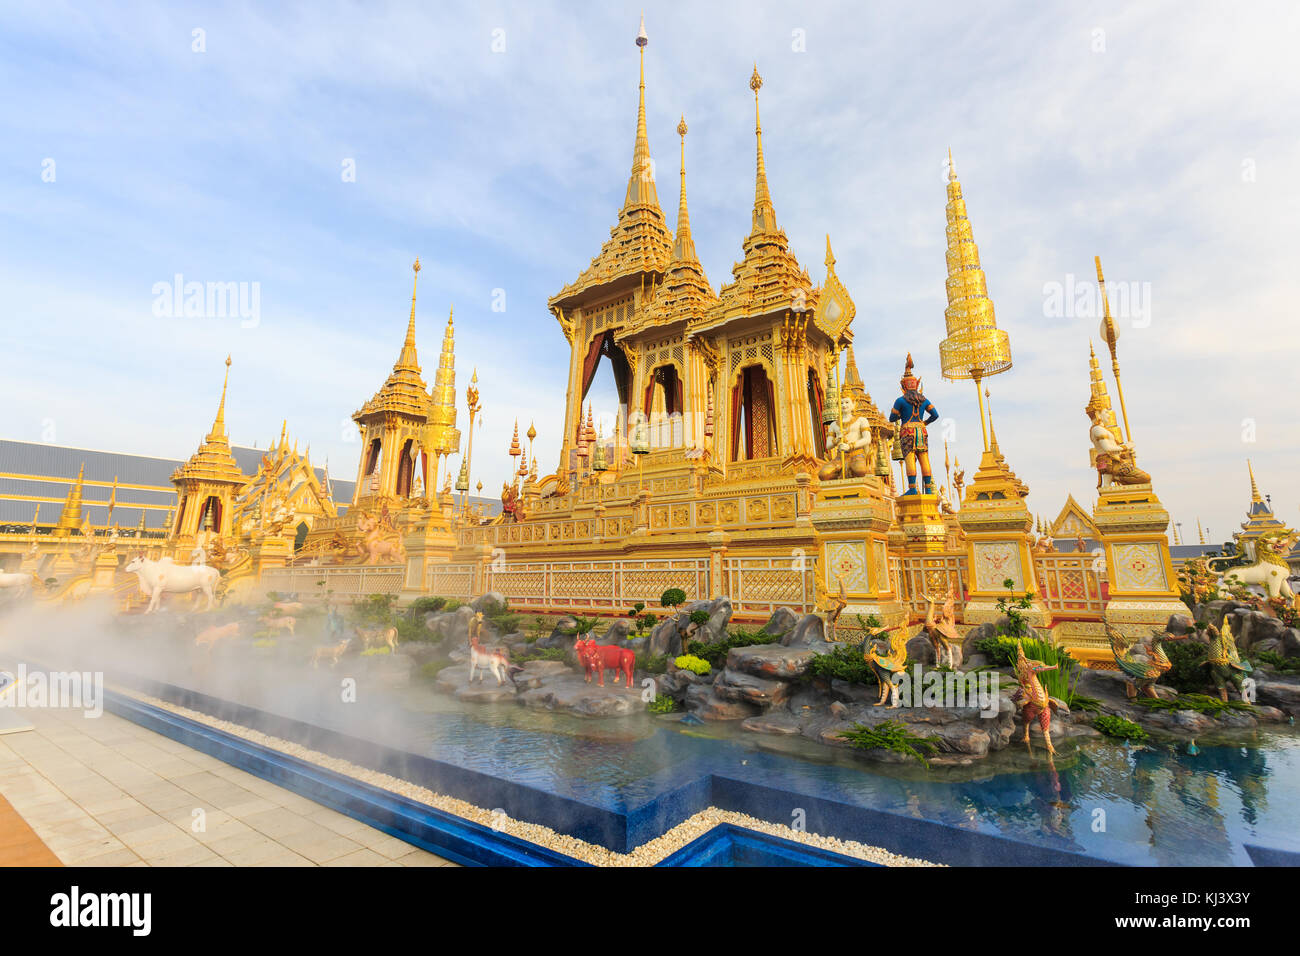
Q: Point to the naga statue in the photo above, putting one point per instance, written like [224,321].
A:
[1114,459]
[1143,663]
[1031,697]
[1224,661]
[914,412]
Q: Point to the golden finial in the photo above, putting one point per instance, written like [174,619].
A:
[952,168]
[1110,332]
[515,450]
[532,431]
[640,186]
[219,424]
[830,256]
[1200,531]
[764,213]
[683,244]
[1254,488]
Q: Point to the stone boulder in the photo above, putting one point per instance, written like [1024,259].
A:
[617,632]
[809,630]
[765,692]
[1180,625]
[782,621]
[771,660]
[920,650]
[705,704]
[665,639]
[1254,627]
[570,693]
[992,629]
[1280,693]
[557,638]
[450,626]
[484,601]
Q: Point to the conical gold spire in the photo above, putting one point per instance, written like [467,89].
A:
[640,244]
[764,212]
[684,245]
[641,184]
[1255,497]
[442,436]
[218,432]
[70,518]
[1200,531]
[975,347]
[830,257]
[408,358]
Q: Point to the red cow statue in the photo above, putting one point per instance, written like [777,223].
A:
[597,658]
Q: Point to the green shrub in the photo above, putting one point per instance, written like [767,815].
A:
[1000,650]
[699,617]
[1016,625]
[376,651]
[1118,727]
[375,609]
[843,663]
[1200,703]
[582,626]
[662,704]
[696,665]
[499,615]
[673,598]
[654,663]
[541,654]
[425,605]
[1283,665]
[716,654]
[1188,673]
[891,735]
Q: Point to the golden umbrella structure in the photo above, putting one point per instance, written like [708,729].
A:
[975,347]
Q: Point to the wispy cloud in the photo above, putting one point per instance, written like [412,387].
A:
[495,142]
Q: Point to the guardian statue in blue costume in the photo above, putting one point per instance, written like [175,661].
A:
[913,412]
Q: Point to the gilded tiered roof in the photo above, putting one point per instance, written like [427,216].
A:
[403,393]
[853,386]
[640,241]
[769,277]
[213,461]
[685,292]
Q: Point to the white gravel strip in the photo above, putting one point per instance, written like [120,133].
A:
[647,854]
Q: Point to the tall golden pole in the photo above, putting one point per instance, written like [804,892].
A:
[1110,333]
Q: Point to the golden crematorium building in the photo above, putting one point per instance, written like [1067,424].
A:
[748,460]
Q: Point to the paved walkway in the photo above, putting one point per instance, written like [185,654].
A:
[107,792]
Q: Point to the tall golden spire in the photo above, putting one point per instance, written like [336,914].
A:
[975,347]
[218,432]
[70,518]
[1110,332]
[1200,531]
[442,436]
[408,359]
[1255,497]
[830,256]
[764,213]
[684,246]
[641,184]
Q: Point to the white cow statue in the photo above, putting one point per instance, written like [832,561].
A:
[166,575]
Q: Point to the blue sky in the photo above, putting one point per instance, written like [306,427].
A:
[1162,138]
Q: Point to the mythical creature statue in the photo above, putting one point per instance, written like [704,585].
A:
[511,502]
[887,659]
[1113,459]
[1270,570]
[914,412]
[1031,697]
[1143,662]
[1197,582]
[381,541]
[943,633]
[1224,661]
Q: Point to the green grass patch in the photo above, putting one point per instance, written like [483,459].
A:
[1118,727]
[662,704]
[1201,703]
[891,735]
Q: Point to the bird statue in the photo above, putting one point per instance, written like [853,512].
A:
[1143,670]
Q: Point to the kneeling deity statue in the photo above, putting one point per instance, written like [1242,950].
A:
[1114,459]
[914,412]
[851,456]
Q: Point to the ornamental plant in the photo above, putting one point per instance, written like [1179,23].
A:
[696,665]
